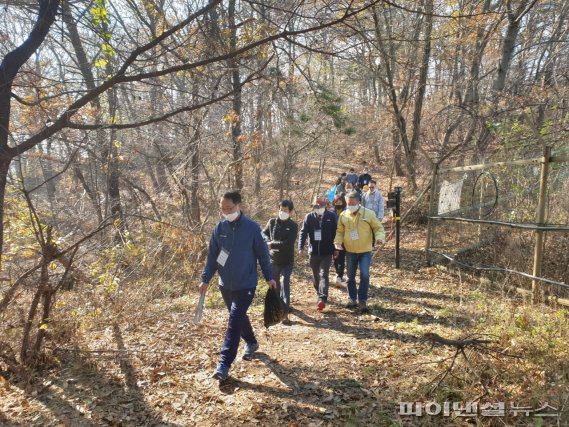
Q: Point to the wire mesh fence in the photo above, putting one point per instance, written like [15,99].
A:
[507,218]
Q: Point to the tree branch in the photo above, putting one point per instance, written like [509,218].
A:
[120,76]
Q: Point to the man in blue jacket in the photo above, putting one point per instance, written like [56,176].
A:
[235,247]
[319,227]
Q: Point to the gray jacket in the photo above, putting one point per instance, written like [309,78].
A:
[375,202]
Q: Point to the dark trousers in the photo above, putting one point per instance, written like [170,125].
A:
[239,326]
[340,263]
[283,286]
[320,265]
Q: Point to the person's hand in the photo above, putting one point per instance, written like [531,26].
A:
[338,246]
[203,288]
[272,284]
[378,242]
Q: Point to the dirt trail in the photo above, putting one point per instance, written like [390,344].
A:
[328,367]
[331,368]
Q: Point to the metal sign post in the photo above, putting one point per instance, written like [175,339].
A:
[394,202]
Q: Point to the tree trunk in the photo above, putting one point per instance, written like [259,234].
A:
[48,173]
[257,141]
[237,101]
[9,68]
[195,213]
[86,70]
[24,349]
[420,97]
[397,152]
[4,168]
[472,97]
[389,83]
[113,172]
[514,21]
[92,194]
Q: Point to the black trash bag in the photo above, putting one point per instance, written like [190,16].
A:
[275,309]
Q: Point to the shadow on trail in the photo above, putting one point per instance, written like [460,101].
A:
[395,316]
[333,322]
[391,293]
[410,259]
[291,390]
[79,388]
[310,386]
[8,422]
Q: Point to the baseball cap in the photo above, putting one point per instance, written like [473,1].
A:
[321,201]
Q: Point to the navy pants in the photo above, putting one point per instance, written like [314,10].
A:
[320,265]
[340,263]
[239,326]
[283,287]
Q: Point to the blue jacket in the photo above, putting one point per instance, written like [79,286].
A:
[245,244]
[327,224]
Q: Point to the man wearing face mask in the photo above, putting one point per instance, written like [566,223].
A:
[372,199]
[319,228]
[358,228]
[235,246]
[280,235]
[364,178]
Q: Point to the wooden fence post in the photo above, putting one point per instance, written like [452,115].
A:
[431,213]
[539,234]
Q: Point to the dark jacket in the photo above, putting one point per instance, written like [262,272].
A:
[352,177]
[327,224]
[282,234]
[245,244]
[364,179]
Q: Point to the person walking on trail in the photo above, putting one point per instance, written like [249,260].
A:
[319,228]
[341,178]
[350,187]
[372,199]
[364,179]
[339,255]
[235,246]
[280,234]
[341,186]
[352,177]
[358,228]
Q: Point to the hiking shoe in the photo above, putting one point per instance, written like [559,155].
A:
[250,350]
[321,305]
[363,307]
[352,304]
[221,372]
[286,321]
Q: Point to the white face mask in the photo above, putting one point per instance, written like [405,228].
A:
[231,217]
[354,208]
[319,211]
[283,216]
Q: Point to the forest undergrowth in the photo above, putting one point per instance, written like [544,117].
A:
[152,366]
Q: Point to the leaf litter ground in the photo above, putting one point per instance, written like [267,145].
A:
[330,368]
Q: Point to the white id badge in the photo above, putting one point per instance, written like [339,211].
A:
[317,235]
[222,257]
[354,234]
